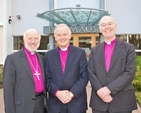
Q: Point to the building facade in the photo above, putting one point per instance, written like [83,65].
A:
[16,16]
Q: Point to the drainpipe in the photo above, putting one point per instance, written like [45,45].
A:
[51,39]
[102,6]
[7,37]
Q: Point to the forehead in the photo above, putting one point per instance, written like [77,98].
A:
[61,29]
[106,20]
[32,34]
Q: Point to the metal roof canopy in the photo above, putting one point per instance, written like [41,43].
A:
[74,16]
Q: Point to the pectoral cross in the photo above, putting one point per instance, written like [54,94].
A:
[37,74]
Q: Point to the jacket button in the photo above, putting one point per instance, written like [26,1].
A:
[33,99]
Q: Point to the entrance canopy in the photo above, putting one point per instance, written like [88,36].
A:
[74,16]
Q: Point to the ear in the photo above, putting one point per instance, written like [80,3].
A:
[116,25]
[70,36]
[55,38]
[100,30]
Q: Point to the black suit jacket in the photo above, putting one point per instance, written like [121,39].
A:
[75,79]
[18,83]
[118,79]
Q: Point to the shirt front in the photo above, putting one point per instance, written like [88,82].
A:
[36,71]
[63,60]
[108,53]
[63,57]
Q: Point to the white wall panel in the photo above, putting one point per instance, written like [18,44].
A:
[127,14]
[28,10]
[73,3]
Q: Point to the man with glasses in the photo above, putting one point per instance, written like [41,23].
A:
[111,70]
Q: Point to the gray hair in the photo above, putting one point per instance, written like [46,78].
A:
[30,30]
[62,25]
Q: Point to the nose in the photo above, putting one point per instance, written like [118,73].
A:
[107,26]
[61,37]
[32,40]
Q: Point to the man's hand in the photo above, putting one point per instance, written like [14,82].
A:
[107,99]
[102,92]
[64,96]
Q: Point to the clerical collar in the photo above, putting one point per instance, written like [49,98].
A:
[64,49]
[108,43]
[32,53]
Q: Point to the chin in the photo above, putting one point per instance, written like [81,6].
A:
[32,50]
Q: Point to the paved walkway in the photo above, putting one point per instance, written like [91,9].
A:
[88,111]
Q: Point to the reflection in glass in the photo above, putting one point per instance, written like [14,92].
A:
[44,43]
[18,42]
[85,43]
[71,41]
[135,40]
[97,40]
[42,53]
[122,37]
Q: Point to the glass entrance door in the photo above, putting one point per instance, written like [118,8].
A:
[85,41]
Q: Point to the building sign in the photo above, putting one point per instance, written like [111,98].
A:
[74,29]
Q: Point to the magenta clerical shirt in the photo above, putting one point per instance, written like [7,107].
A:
[35,66]
[63,57]
[108,52]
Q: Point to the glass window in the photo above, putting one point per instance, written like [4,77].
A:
[71,41]
[18,43]
[44,43]
[135,40]
[138,53]
[85,42]
[97,40]
[42,53]
[122,37]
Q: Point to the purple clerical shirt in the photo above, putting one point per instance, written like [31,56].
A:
[63,58]
[35,66]
[108,52]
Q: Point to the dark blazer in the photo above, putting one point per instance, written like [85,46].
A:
[75,79]
[18,83]
[118,79]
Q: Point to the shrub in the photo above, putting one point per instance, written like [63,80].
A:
[138,61]
[137,80]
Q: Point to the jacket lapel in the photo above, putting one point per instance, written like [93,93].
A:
[56,59]
[70,58]
[101,56]
[116,52]
[41,64]
[26,64]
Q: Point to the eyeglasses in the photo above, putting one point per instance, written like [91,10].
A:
[106,24]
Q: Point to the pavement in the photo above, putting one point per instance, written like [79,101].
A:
[88,95]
